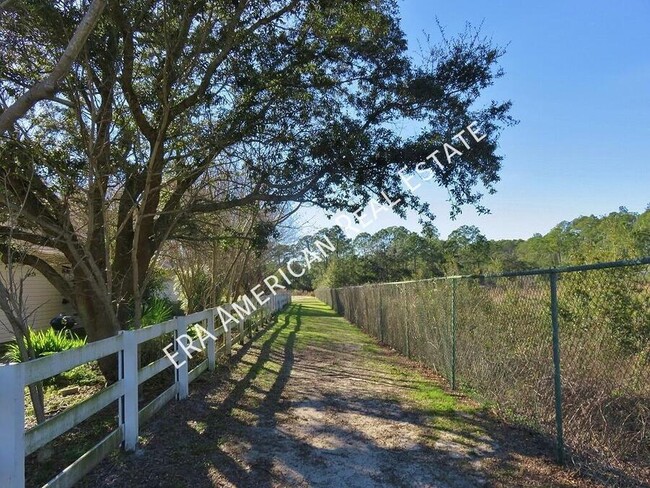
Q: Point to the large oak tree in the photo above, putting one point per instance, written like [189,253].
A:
[175,110]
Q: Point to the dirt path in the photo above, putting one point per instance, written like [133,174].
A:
[314,402]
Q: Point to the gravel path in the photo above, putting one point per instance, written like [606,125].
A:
[314,402]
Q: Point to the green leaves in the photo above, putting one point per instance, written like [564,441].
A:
[47,341]
[177,112]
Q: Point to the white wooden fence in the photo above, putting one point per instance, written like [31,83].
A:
[17,443]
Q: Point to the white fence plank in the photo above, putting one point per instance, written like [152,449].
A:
[195,317]
[157,403]
[131,383]
[212,345]
[52,428]
[12,426]
[153,331]
[73,473]
[198,370]
[153,368]
[45,367]
[182,359]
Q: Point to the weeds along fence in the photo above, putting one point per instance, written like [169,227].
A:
[16,442]
[566,351]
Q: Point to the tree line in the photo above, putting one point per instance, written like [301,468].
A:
[398,254]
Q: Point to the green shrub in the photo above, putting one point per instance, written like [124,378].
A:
[47,341]
[156,311]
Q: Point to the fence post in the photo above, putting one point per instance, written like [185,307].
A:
[406,329]
[381,316]
[556,367]
[129,362]
[212,344]
[242,324]
[228,337]
[182,373]
[453,334]
[12,426]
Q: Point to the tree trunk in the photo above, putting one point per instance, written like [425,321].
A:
[103,326]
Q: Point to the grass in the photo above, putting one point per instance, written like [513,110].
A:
[445,411]
[324,328]
[87,377]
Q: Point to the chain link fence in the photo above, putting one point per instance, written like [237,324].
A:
[564,351]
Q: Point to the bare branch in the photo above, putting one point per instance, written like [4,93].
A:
[58,281]
[47,88]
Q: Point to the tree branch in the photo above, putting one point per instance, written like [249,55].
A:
[47,88]
[126,80]
[228,41]
[57,281]
[257,196]
[31,238]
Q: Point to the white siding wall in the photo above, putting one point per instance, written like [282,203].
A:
[41,298]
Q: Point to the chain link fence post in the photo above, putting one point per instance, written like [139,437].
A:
[556,369]
[402,299]
[453,334]
[381,317]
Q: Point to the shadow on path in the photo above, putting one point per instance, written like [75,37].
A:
[302,407]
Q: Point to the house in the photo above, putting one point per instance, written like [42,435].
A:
[42,301]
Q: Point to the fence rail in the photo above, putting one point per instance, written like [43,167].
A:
[14,378]
[566,350]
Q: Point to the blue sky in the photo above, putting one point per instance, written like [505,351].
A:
[578,74]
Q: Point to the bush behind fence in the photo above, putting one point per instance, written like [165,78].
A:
[493,335]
